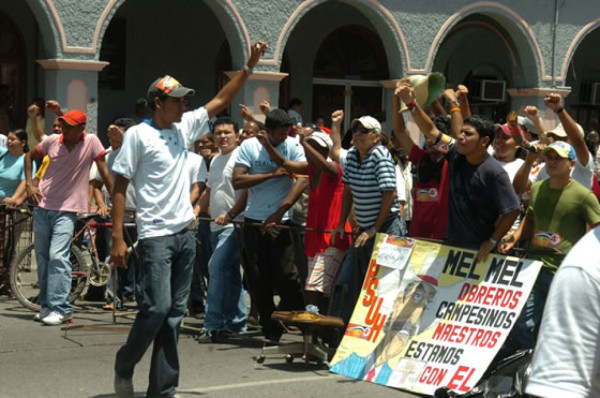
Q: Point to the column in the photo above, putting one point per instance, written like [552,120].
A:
[260,86]
[74,84]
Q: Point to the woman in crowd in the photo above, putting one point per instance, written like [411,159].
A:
[12,168]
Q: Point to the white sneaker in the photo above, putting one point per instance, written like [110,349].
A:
[44,312]
[55,318]
[123,387]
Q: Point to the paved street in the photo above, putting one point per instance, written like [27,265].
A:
[40,361]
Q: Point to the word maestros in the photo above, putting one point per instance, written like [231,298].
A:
[477,318]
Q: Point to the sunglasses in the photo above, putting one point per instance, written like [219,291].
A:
[361,130]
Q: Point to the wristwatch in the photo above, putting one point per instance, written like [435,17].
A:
[249,71]
[231,214]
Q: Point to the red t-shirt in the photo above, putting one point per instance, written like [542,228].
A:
[324,208]
[430,202]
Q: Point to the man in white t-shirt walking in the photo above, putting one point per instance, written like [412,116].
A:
[154,158]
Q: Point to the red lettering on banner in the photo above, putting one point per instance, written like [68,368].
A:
[433,376]
[374,318]
[489,295]
[459,376]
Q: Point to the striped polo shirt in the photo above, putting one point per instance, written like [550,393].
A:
[367,179]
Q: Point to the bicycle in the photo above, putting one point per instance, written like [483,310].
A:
[23,269]
[15,227]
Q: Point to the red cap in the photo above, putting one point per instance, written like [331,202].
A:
[74,117]
[508,130]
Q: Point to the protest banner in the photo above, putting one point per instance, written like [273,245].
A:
[427,317]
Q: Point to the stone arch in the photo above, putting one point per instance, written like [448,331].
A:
[516,27]
[581,35]
[386,27]
[48,29]
[228,15]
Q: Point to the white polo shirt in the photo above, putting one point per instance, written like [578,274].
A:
[155,162]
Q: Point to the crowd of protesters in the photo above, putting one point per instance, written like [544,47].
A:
[282,208]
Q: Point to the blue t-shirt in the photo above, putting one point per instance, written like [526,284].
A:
[479,194]
[266,197]
[12,172]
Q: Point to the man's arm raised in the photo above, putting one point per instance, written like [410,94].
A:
[231,89]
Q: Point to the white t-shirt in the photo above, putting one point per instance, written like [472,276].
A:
[197,167]
[580,173]
[266,197]
[222,194]
[567,355]
[130,203]
[511,168]
[155,161]
[400,185]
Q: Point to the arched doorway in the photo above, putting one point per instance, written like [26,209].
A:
[584,78]
[479,53]
[348,66]
[12,76]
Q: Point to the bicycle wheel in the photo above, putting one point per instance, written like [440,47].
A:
[24,277]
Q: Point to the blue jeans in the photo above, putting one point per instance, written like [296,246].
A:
[166,264]
[354,267]
[53,231]
[203,253]
[225,302]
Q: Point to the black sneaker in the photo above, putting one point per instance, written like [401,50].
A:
[206,336]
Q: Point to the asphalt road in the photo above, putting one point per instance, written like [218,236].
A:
[42,361]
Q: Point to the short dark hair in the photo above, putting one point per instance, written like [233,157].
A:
[124,122]
[484,126]
[277,118]
[225,120]
[295,101]
[442,123]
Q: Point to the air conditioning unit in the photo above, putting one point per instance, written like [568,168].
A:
[489,90]
[589,93]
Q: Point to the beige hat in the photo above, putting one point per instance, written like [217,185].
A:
[559,131]
[427,88]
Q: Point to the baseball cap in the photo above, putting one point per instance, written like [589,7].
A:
[168,86]
[322,139]
[559,131]
[368,122]
[506,130]
[74,117]
[562,149]
[528,124]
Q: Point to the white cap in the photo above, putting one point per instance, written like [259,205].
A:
[322,139]
[368,122]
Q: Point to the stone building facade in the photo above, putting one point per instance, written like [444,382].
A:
[100,55]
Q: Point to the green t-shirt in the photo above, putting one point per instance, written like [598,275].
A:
[560,218]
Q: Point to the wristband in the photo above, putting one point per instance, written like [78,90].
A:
[560,110]
[249,71]
[231,214]
[457,102]
[412,105]
[494,241]
[454,109]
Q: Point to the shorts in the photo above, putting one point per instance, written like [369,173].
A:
[323,269]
